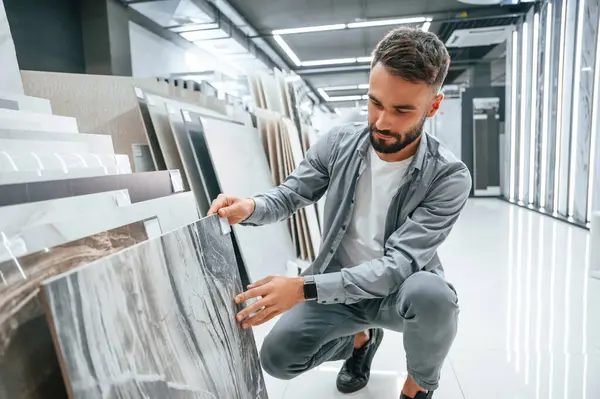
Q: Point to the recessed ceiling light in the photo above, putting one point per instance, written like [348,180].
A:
[309,29]
[384,22]
[329,62]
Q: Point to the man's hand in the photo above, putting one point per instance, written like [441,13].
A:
[279,294]
[235,209]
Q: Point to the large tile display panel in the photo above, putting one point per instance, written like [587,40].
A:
[101,104]
[156,320]
[170,212]
[582,121]
[96,143]
[29,367]
[10,79]
[27,103]
[11,119]
[241,170]
[141,187]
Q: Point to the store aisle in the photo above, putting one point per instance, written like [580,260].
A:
[530,316]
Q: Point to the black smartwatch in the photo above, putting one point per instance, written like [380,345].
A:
[310,288]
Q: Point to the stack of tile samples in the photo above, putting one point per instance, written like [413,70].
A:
[67,200]
[285,149]
[218,154]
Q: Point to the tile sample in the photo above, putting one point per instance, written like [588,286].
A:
[10,78]
[158,158]
[27,103]
[141,187]
[17,217]
[15,161]
[42,145]
[142,158]
[7,104]
[163,308]
[171,212]
[107,106]
[96,143]
[29,366]
[22,120]
[240,170]
[48,175]
[184,147]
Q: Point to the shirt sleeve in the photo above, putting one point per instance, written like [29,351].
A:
[303,187]
[408,250]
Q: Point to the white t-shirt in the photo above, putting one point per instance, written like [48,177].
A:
[376,187]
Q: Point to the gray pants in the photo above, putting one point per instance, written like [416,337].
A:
[425,310]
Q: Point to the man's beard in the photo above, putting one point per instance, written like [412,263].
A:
[401,140]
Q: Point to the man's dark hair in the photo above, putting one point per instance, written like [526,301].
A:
[413,55]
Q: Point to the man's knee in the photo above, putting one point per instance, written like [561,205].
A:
[281,354]
[430,296]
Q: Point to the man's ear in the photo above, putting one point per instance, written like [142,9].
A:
[435,106]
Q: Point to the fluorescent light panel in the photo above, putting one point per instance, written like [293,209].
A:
[385,22]
[205,34]
[324,94]
[309,29]
[348,87]
[426,26]
[559,115]
[193,27]
[546,108]
[336,61]
[524,38]
[345,98]
[513,113]
[534,108]
[364,59]
[288,51]
[575,117]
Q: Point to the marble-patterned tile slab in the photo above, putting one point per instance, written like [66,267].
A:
[28,103]
[22,120]
[171,213]
[96,143]
[156,320]
[141,187]
[10,78]
[29,366]
[240,170]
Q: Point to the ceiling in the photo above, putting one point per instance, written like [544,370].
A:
[306,53]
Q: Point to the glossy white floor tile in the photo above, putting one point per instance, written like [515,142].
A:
[529,323]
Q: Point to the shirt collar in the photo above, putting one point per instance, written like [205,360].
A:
[418,160]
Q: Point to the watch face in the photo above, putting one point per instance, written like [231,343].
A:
[310,290]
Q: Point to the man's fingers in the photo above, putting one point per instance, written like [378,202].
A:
[267,318]
[255,307]
[265,315]
[252,293]
[261,282]
[217,204]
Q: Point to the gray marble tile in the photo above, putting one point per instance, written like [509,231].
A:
[581,145]
[29,367]
[156,320]
[10,77]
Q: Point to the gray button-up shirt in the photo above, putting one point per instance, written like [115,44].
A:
[419,218]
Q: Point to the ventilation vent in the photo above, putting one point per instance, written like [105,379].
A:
[479,36]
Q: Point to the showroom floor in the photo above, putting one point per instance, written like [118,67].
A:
[530,316]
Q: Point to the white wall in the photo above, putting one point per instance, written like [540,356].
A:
[151,55]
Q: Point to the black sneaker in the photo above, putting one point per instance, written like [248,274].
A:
[356,371]
[420,395]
